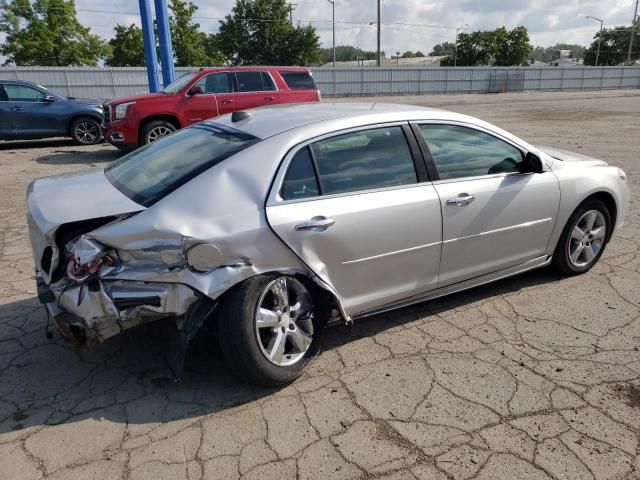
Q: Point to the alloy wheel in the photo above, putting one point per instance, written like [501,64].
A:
[156,133]
[587,238]
[284,321]
[87,132]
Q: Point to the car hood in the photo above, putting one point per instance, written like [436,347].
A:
[566,156]
[85,101]
[138,98]
[54,201]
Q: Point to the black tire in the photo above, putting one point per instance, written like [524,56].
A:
[86,131]
[239,341]
[561,257]
[155,130]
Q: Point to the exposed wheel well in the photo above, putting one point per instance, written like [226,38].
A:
[168,118]
[610,202]
[79,116]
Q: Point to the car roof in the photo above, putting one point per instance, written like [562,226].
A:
[252,68]
[269,121]
[19,82]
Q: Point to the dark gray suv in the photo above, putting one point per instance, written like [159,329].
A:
[29,111]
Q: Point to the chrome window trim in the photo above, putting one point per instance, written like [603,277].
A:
[472,126]
[274,197]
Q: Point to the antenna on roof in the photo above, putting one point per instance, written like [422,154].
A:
[240,115]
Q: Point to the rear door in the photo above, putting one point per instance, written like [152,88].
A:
[494,217]
[32,115]
[352,207]
[255,89]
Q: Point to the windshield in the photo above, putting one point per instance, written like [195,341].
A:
[179,83]
[152,172]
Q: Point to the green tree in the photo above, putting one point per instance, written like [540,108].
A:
[614,46]
[127,49]
[410,54]
[545,54]
[47,32]
[259,32]
[512,47]
[345,53]
[443,49]
[191,47]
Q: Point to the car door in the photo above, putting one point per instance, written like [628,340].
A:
[255,89]
[352,208]
[216,97]
[494,217]
[7,130]
[33,116]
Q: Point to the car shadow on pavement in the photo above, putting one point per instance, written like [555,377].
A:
[79,156]
[45,143]
[129,378]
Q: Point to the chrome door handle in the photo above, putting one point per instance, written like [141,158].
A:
[269,99]
[16,109]
[316,223]
[227,101]
[461,200]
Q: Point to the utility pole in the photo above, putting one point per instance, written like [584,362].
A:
[599,36]
[292,7]
[633,31]
[378,59]
[455,54]
[333,23]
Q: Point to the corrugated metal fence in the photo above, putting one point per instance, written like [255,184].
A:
[103,83]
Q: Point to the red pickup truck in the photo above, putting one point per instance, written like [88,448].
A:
[131,122]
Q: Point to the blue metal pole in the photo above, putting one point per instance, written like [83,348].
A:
[149,41]
[164,40]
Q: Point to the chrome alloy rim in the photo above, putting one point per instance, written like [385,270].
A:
[87,132]
[587,238]
[157,133]
[284,321]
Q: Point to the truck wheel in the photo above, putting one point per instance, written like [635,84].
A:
[269,329]
[86,131]
[155,130]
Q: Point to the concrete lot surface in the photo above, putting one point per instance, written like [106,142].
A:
[532,377]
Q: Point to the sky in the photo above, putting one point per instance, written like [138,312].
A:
[406,24]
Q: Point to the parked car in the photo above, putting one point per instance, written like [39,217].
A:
[29,111]
[279,218]
[135,121]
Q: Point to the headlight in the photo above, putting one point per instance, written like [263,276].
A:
[121,110]
[622,175]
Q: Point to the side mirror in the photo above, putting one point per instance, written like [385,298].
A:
[531,164]
[195,90]
[49,99]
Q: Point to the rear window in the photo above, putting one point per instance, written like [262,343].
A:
[299,80]
[152,172]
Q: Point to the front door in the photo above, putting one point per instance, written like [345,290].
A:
[32,115]
[217,97]
[351,207]
[493,216]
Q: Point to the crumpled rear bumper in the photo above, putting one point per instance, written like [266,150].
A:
[90,312]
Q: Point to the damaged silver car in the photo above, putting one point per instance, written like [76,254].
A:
[273,222]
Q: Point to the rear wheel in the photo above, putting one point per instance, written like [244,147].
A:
[156,130]
[86,131]
[270,328]
[583,239]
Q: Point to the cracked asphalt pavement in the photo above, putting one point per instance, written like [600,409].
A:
[533,377]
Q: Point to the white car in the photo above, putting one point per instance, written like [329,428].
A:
[270,221]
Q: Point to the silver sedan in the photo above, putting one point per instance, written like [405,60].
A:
[275,221]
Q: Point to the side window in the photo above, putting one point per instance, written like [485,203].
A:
[3,94]
[215,83]
[300,180]
[249,81]
[299,80]
[20,93]
[267,82]
[364,160]
[460,152]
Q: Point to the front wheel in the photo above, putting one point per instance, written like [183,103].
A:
[156,130]
[270,328]
[583,239]
[86,131]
